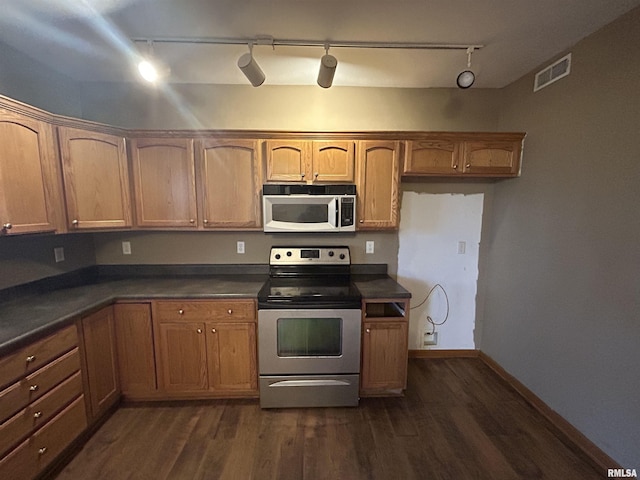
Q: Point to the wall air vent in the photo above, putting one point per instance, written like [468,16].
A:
[555,71]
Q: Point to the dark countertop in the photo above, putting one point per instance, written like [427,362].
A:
[25,319]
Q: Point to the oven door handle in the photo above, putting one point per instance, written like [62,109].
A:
[310,383]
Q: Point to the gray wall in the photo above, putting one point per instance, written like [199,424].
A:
[563,290]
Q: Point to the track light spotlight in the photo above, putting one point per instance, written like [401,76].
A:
[250,68]
[151,69]
[466,77]
[328,64]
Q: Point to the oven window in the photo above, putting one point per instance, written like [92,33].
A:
[309,337]
[300,213]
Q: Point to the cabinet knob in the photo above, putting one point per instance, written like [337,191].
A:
[368,330]
[7,226]
[75,222]
[302,175]
[213,330]
[361,221]
[42,451]
[205,221]
[316,175]
[181,312]
[199,330]
[191,220]
[229,311]
[31,358]
[37,415]
[455,167]
[33,388]
[468,165]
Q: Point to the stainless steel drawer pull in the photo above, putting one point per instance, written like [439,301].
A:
[37,415]
[33,388]
[42,451]
[31,358]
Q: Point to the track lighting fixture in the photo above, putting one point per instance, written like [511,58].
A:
[250,68]
[328,64]
[467,77]
[149,68]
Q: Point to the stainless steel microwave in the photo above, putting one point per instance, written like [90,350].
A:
[309,208]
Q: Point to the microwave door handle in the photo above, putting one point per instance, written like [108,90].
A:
[338,213]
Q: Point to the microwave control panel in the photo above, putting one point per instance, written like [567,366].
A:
[347,211]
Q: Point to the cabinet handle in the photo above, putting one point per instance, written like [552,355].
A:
[229,311]
[468,165]
[75,222]
[315,175]
[7,226]
[455,167]
[368,330]
[199,330]
[33,388]
[302,175]
[37,415]
[191,220]
[205,221]
[361,221]
[180,312]
[42,451]
[31,358]
[213,330]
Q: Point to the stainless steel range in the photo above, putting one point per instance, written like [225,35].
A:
[309,321]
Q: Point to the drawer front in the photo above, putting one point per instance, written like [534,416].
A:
[18,395]
[30,358]
[229,310]
[48,442]
[39,450]
[39,412]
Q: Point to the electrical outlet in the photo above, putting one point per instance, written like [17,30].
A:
[58,253]
[126,248]
[430,339]
[462,247]
[240,247]
[369,246]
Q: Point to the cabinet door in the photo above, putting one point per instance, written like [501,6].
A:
[232,357]
[333,161]
[134,339]
[98,332]
[288,160]
[30,195]
[165,188]
[378,184]
[182,358]
[230,183]
[96,179]
[384,355]
[492,158]
[432,157]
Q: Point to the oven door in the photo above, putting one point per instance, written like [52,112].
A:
[309,341]
[300,213]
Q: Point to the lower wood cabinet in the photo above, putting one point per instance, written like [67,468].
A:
[385,352]
[101,363]
[206,348]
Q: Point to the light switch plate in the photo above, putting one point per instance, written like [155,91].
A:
[369,246]
[58,253]
[240,247]
[126,248]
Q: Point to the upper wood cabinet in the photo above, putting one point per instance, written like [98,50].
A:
[378,184]
[30,189]
[310,161]
[230,181]
[96,179]
[478,155]
[164,176]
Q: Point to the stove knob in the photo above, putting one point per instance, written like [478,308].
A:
[331,253]
[289,254]
[342,256]
[277,256]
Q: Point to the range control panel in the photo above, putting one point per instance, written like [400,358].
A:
[310,256]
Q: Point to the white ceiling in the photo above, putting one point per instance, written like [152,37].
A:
[90,40]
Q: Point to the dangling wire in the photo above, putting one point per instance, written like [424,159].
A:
[429,319]
[469,52]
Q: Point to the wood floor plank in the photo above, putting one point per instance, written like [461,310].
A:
[457,421]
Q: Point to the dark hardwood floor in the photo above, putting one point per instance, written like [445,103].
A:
[458,420]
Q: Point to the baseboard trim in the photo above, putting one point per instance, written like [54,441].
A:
[443,353]
[564,429]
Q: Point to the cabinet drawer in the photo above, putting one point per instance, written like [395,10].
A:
[229,310]
[39,412]
[37,452]
[38,383]
[32,357]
